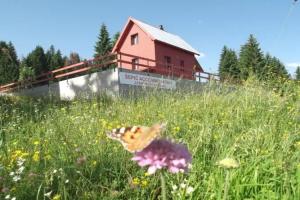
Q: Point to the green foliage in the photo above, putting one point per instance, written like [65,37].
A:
[103,45]
[26,73]
[273,69]
[115,39]
[250,58]
[37,60]
[68,155]
[298,73]
[9,64]
[228,66]
[54,58]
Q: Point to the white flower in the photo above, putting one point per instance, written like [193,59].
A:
[189,190]
[182,185]
[67,181]
[20,170]
[20,161]
[7,196]
[14,198]
[16,178]
[54,171]
[174,187]
[48,194]
[12,173]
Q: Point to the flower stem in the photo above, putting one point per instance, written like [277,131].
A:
[226,186]
[163,187]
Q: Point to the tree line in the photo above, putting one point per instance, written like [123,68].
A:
[40,60]
[251,61]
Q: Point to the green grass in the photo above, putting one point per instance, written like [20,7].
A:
[67,152]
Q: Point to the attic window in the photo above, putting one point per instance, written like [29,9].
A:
[134,39]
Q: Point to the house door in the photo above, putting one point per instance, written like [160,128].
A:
[168,64]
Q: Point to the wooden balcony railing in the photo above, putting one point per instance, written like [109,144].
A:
[111,60]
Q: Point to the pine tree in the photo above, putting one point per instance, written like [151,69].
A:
[37,60]
[273,68]
[9,64]
[298,73]
[250,58]
[115,39]
[103,45]
[54,58]
[228,66]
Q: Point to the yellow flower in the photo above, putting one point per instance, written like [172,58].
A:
[135,181]
[144,183]
[36,142]
[36,156]
[94,163]
[56,197]
[228,163]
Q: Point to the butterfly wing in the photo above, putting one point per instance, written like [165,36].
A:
[136,138]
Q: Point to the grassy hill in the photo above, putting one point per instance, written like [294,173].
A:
[59,150]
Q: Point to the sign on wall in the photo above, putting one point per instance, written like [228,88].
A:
[146,81]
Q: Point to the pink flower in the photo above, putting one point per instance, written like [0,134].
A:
[162,153]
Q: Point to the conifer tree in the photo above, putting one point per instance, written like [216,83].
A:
[250,58]
[54,58]
[273,68]
[103,45]
[298,73]
[73,59]
[9,64]
[228,66]
[25,71]
[37,60]
[115,39]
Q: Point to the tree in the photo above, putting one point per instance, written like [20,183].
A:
[103,45]
[9,64]
[228,66]
[54,58]
[273,68]
[73,59]
[25,71]
[115,39]
[37,60]
[298,73]
[250,58]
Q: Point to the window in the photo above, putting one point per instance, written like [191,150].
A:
[134,39]
[135,64]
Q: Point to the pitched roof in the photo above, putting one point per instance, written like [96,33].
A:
[163,36]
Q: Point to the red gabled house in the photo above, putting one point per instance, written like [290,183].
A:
[143,47]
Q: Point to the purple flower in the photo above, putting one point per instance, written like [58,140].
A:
[162,153]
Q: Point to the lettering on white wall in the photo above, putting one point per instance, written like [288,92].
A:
[146,81]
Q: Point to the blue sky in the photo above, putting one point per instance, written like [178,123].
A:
[207,25]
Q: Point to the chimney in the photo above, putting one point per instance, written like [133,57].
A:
[161,27]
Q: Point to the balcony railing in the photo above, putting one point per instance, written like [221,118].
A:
[101,63]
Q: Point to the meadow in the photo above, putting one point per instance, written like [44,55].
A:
[51,149]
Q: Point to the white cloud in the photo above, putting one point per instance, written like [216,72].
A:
[293,64]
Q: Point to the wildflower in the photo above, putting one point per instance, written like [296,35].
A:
[135,181]
[36,156]
[164,154]
[189,190]
[36,142]
[228,163]
[174,187]
[14,198]
[54,171]
[20,161]
[67,181]
[7,196]
[16,178]
[56,197]
[48,194]
[144,183]
[183,185]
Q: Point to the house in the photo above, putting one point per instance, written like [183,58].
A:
[143,47]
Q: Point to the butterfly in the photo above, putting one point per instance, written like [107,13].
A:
[136,138]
